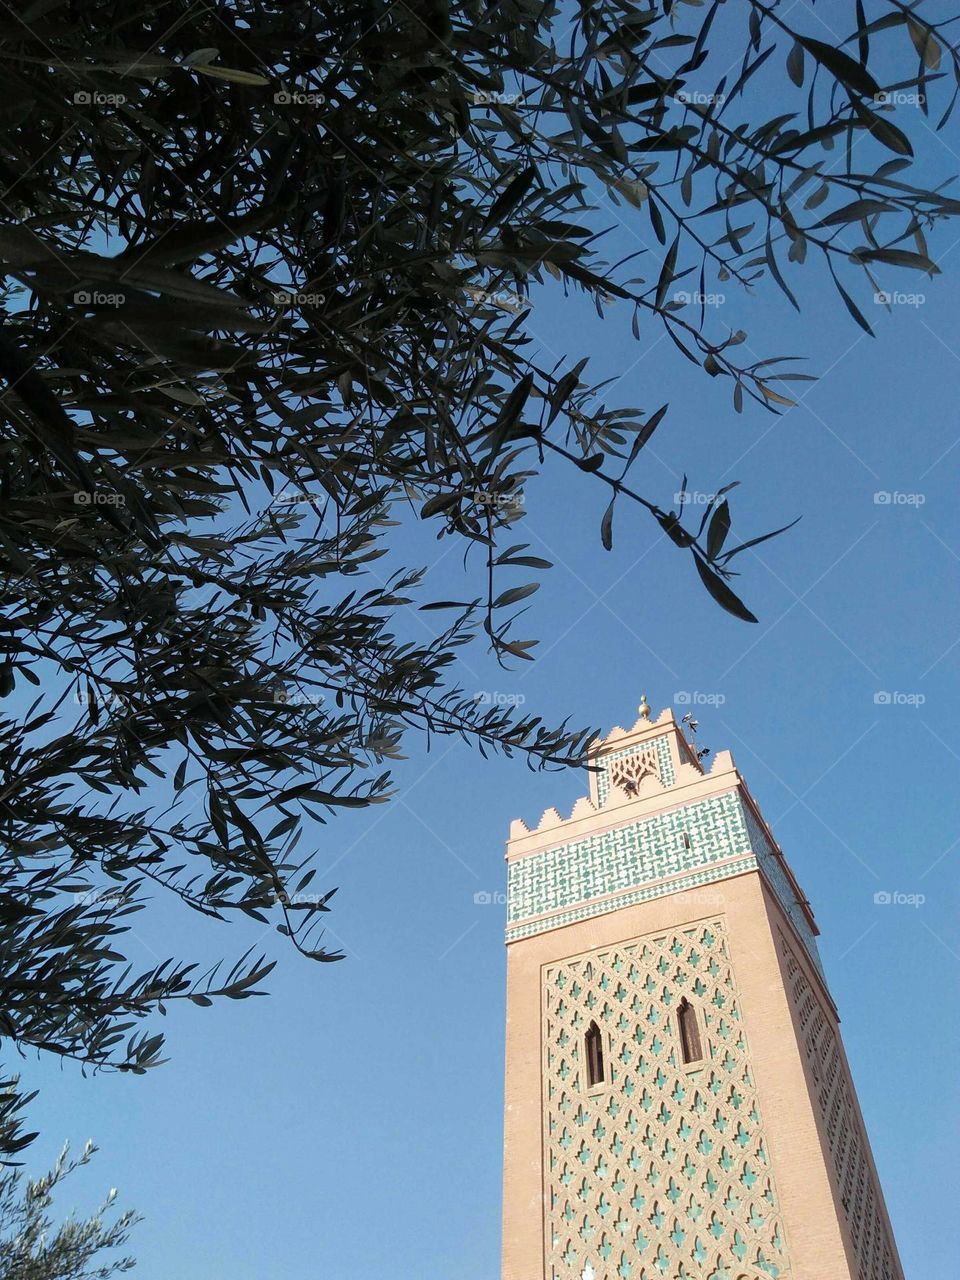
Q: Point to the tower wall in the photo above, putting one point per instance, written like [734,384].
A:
[742,1164]
[857,1193]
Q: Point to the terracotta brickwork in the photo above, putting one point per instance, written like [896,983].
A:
[842,1126]
[745,1161]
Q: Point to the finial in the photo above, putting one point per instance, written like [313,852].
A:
[644,707]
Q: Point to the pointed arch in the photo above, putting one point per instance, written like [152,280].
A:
[593,1052]
[690,1043]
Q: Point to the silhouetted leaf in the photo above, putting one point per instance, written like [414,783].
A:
[722,593]
[842,66]
[606,527]
[719,528]
[795,63]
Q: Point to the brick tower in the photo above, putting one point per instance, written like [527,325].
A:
[678,1103]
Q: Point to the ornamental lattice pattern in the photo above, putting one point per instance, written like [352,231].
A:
[685,838]
[845,1136]
[662,1173]
[659,747]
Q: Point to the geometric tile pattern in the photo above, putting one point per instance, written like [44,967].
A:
[846,1139]
[662,1172]
[695,880]
[664,758]
[680,839]
[678,848]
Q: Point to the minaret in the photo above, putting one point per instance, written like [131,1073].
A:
[678,1102]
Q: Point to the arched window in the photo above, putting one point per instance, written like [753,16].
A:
[593,1043]
[689,1031]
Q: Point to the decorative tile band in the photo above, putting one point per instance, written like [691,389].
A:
[668,852]
[682,839]
[709,876]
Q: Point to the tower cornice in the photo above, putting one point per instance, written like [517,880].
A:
[654,822]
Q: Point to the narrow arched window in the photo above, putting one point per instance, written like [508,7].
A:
[689,1031]
[593,1043]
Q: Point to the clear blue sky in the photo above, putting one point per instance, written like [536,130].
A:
[350,1125]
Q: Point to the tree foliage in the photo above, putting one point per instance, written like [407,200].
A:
[33,1248]
[269,272]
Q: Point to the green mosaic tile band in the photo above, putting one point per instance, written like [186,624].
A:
[603,872]
[666,844]
[711,876]
[664,760]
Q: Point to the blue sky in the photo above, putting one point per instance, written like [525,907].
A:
[350,1125]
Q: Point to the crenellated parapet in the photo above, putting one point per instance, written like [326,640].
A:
[655,822]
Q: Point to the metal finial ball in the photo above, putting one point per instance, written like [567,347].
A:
[644,707]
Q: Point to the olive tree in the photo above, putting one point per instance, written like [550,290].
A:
[268,275]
